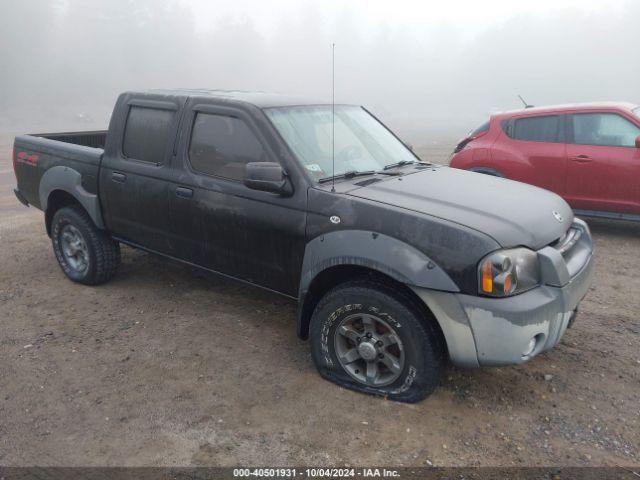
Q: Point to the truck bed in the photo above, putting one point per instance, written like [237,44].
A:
[35,154]
[93,139]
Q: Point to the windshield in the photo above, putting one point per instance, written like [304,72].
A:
[636,112]
[361,142]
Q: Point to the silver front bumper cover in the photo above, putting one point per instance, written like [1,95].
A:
[482,331]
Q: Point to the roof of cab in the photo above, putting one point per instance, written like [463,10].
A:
[570,107]
[258,99]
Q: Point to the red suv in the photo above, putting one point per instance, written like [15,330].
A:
[589,154]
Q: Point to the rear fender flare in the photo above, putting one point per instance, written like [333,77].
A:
[69,180]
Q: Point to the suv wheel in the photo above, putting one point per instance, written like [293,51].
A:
[85,253]
[372,338]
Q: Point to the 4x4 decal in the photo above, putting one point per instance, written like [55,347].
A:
[27,159]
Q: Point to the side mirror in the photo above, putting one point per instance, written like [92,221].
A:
[267,177]
[638,141]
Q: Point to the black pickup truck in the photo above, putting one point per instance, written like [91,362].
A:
[396,264]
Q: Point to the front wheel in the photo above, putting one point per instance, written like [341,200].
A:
[85,253]
[370,337]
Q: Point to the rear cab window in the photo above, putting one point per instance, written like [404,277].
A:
[147,134]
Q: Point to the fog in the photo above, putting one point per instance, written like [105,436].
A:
[426,71]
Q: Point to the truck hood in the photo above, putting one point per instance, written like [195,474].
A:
[512,213]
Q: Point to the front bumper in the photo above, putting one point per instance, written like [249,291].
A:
[483,331]
[504,329]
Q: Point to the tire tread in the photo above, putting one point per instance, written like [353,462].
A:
[432,340]
[106,250]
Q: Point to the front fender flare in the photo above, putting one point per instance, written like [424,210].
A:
[69,180]
[375,251]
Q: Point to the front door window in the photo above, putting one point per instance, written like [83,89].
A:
[604,129]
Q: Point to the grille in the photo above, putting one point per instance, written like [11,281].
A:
[575,247]
[565,243]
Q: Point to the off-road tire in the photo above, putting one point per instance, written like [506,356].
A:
[102,252]
[422,342]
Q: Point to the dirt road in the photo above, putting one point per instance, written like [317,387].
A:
[166,365]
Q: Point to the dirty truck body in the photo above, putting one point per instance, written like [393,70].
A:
[396,264]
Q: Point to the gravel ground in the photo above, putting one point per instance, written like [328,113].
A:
[166,365]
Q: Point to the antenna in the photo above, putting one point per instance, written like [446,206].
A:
[333,117]
[526,105]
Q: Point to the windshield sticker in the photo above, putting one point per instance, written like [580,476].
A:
[314,167]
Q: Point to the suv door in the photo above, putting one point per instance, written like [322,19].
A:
[218,222]
[136,168]
[535,150]
[604,164]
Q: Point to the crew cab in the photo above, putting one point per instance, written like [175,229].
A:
[587,153]
[396,264]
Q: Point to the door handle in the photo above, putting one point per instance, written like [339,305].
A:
[582,159]
[183,192]
[118,177]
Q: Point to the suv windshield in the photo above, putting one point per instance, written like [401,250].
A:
[361,142]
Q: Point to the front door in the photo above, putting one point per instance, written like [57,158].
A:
[221,224]
[603,163]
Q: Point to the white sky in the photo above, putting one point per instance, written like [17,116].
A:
[469,16]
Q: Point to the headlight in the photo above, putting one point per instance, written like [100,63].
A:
[508,272]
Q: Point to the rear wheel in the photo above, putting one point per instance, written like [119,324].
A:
[370,337]
[85,253]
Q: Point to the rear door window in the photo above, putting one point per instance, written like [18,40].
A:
[147,134]
[603,129]
[536,129]
[222,146]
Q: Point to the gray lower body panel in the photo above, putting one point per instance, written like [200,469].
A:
[483,331]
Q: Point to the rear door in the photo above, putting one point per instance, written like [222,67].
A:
[136,169]
[536,143]
[603,163]
[219,223]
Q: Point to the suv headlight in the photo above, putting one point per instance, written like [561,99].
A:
[508,272]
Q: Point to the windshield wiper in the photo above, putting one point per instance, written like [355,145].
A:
[401,163]
[349,174]
[356,173]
